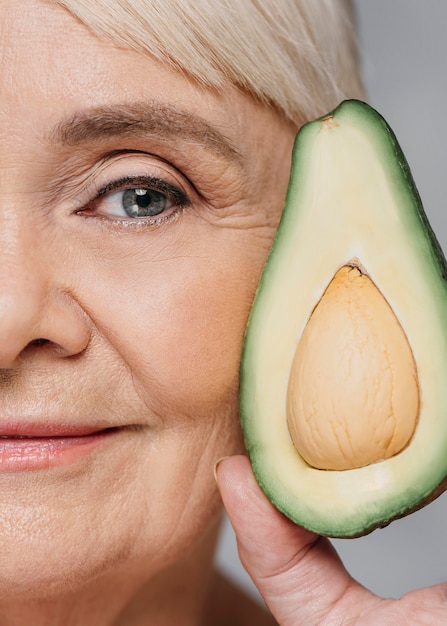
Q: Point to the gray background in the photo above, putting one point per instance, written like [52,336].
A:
[404,51]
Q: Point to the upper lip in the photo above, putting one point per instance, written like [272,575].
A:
[47,429]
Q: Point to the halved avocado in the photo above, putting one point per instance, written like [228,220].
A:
[351,206]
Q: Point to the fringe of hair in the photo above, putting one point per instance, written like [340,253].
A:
[299,56]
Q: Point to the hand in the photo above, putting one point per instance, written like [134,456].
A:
[299,574]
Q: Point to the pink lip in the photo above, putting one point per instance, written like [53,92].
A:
[26,446]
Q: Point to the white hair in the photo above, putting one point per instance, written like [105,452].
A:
[298,55]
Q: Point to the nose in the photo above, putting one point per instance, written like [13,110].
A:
[37,311]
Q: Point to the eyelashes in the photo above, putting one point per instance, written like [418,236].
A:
[137,199]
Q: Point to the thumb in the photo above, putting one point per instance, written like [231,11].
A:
[299,574]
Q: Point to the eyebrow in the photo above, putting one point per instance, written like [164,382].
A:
[160,121]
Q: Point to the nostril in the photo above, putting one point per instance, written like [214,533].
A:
[39,342]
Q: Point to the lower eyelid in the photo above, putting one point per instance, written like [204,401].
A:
[142,222]
[158,220]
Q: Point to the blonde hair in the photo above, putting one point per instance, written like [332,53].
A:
[297,55]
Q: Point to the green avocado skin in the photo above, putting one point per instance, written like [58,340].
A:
[351,194]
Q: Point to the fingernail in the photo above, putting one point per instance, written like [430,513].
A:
[222,458]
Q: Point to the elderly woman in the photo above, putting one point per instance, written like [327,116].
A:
[144,158]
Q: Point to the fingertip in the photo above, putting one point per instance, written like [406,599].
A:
[237,484]
[247,505]
[232,469]
[216,465]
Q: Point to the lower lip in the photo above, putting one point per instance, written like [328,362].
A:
[33,453]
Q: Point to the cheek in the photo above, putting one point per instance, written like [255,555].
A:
[179,323]
[208,324]
[205,339]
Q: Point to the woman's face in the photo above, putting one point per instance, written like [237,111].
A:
[136,213]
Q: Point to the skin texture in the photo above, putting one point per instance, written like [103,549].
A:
[299,573]
[143,326]
[142,322]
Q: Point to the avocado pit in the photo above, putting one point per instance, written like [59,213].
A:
[353,392]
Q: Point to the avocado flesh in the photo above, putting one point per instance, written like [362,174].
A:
[351,196]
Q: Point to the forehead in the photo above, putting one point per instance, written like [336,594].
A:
[52,66]
[55,74]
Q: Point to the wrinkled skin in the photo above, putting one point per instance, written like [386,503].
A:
[299,573]
[120,322]
[115,321]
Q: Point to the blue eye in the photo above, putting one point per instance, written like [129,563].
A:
[138,202]
[137,198]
